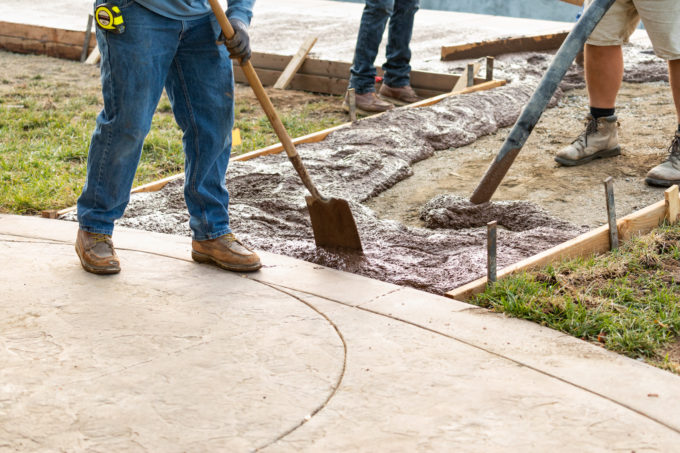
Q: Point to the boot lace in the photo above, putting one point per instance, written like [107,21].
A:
[591,128]
[674,149]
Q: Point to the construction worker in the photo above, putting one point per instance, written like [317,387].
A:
[604,73]
[396,86]
[171,44]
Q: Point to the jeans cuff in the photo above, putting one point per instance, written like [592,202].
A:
[95,230]
[210,236]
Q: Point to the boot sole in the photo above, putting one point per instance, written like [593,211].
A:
[91,268]
[364,112]
[661,182]
[395,101]
[598,155]
[207,259]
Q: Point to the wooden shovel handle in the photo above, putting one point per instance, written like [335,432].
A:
[267,105]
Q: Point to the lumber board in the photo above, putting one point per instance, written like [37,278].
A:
[309,138]
[672,200]
[32,46]
[590,243]
[574,2]
[45,34]
[295,63]
[502,46]
[94,56]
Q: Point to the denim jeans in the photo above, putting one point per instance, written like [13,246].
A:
[156,52]
[373,21]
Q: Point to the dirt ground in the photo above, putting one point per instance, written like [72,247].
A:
[647,116]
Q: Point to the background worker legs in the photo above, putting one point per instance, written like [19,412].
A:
[604,73]
[400,14]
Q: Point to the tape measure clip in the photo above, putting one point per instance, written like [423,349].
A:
[109,18]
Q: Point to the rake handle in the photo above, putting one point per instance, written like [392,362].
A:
[267,106]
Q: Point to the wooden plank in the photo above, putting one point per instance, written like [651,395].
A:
[462,81]
[94,56]
[309,138]
[502,46]
[32,46]
[295,63]
[590,243]
[574,2]
[672,200]
[39,33]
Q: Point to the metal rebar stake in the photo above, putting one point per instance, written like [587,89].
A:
[489,68]
[611,213]
[86,43]
[470,74]
[352,101]
[491,229]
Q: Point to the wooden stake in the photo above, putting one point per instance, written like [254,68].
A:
[491,234]
[94,57]
[295,63]
[672,200]
[352,101]
[86,43]
[611,213]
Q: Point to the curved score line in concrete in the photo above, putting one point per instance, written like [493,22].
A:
[147,359]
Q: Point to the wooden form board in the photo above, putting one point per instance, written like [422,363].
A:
[590,243]
[278,147]
[295,63]
[502,46]
[53,42]
[321,76]
[332,77]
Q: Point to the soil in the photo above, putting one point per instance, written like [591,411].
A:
[408,173]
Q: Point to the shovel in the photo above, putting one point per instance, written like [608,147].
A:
[539,100]
[332,220]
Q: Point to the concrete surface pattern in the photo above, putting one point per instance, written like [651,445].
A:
[172,356]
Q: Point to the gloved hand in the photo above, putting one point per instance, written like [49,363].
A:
[239,44]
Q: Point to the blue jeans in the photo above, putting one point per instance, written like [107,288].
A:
[156,52]
[373,21]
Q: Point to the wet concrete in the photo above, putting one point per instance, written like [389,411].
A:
[268,210]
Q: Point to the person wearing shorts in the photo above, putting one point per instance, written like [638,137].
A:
[604,74]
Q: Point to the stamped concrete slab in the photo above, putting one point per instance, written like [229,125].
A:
[410,389]
[166,356]
[633,384]
[171,356]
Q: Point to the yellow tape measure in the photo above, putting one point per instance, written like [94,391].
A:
[109,18]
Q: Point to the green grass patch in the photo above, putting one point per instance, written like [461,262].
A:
[45,129]
[628,300]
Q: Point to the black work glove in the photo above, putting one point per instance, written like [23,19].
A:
[239,44]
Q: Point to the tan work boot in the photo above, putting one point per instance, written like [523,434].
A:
[96,253]
[400,96]
[600,139]
[368,103]
[667,173]
[227,252]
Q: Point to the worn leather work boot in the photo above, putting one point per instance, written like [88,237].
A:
[368,103]
[600,139]
[226,252]
[667,173]
[96,253]
[399,96]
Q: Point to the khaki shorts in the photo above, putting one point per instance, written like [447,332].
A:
[661,19]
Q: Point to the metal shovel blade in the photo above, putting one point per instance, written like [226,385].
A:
[333,223]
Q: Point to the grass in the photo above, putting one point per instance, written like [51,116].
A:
[45,129]
[627,301]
